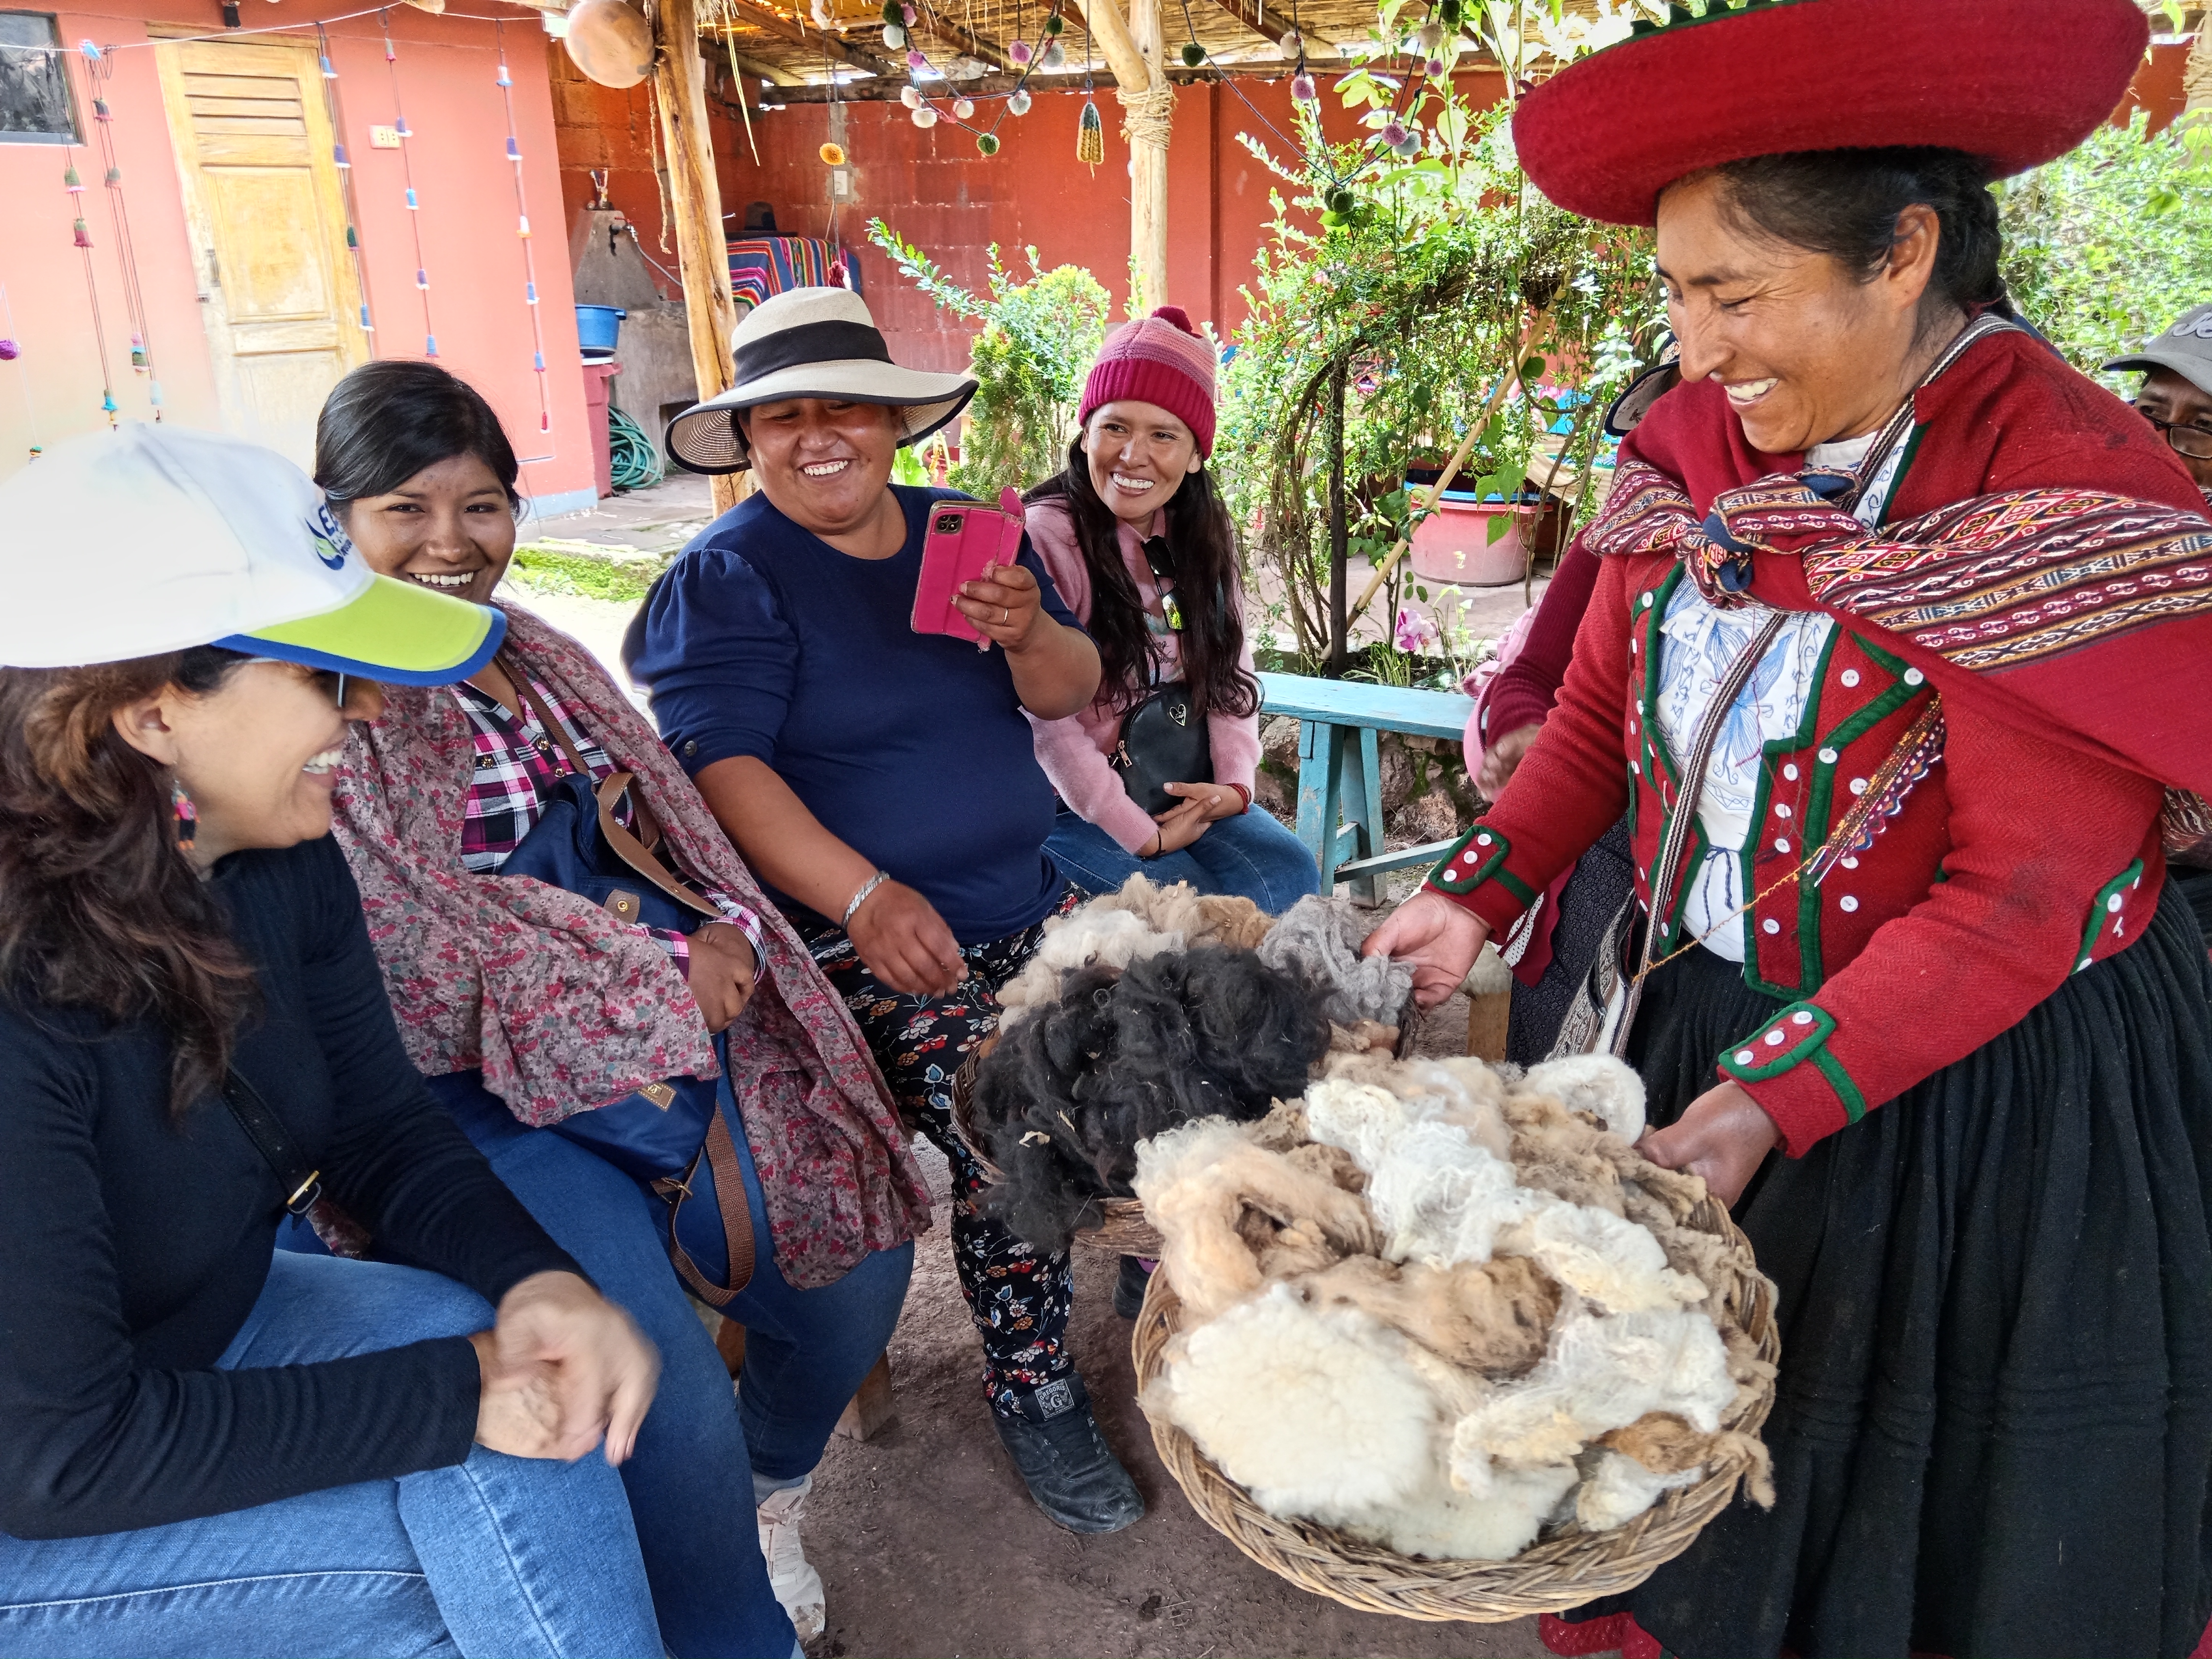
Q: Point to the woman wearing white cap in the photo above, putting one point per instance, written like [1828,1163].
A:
[882,782]
[210,1448]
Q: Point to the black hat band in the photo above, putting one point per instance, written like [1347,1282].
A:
[804,344]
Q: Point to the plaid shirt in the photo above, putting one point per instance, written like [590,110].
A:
[517,762]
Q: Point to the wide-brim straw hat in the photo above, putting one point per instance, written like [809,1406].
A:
[811,343]
[2015,82]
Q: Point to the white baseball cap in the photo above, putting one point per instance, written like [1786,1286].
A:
[148,539]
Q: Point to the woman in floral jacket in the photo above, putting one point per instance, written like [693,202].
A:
[527,1004]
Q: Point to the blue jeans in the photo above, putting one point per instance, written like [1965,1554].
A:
[506,1558]
[691,1479]
[1252,856]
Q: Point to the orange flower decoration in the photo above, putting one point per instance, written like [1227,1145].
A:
[833,155]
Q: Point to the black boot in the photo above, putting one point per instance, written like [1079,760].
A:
[1069,1467]
[1129,1288]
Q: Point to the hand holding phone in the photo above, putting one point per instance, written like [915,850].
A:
[965,540]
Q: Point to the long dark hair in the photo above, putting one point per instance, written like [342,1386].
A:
[1845,204]
[98,908]
[387,420]
[1206,572]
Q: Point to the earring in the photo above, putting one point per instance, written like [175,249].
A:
[188,815]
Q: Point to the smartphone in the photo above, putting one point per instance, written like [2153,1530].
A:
[964,539]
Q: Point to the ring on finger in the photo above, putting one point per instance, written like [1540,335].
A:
[1006,615]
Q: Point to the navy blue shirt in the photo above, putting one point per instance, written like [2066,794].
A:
[763,639]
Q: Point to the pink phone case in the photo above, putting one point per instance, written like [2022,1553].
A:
[964,538]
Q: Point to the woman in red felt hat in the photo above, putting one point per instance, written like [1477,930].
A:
[1896,648]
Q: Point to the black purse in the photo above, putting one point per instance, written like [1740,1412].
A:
[1163,741]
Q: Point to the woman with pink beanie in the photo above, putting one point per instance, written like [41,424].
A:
[1155,776]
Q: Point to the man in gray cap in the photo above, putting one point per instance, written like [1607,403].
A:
[2176,394]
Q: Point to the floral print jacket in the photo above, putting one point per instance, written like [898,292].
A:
[565,1008]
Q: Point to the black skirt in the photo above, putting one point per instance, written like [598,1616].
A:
[1993,1428]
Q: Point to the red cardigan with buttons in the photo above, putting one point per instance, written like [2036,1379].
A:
[2017,860]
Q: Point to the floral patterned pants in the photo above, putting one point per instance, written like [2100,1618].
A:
[1018,1296]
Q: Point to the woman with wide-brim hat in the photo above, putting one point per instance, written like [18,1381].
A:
[1920,1004]
[882,782]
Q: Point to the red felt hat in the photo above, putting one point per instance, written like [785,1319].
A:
[2017,82]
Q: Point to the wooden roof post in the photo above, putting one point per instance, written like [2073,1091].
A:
[695,198]
[1133,51]
[2197,73]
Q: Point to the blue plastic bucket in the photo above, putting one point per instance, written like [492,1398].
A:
[597,328]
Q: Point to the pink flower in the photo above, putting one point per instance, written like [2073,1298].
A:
[1416,633]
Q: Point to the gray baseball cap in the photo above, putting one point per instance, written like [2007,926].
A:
[2186,348]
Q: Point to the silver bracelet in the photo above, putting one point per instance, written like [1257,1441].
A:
[866,888]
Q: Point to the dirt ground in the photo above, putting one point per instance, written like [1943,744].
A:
[928,1542]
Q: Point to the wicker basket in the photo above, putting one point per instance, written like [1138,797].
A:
[1122,1228]
[1562,1572]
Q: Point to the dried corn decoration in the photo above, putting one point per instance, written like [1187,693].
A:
[1090,136]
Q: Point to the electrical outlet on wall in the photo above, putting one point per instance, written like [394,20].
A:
[384,137]
[840,183]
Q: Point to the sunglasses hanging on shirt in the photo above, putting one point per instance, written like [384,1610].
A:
[1159,556]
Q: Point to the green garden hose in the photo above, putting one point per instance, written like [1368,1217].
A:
[636,461]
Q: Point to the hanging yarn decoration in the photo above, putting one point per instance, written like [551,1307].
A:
[522,231]
[1017,101]
[832,155]
[10,350]
[81,234]
[336,112]
[97,70]
[1090,134]
[407,173]
[987,143]
[963,109]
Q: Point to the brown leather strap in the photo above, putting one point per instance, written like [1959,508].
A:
[721,1156]
[633,852]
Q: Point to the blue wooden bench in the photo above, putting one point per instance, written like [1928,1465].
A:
[1340,773]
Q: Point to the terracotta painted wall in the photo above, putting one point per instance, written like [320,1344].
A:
[932,187]
[935,190]
[465,184]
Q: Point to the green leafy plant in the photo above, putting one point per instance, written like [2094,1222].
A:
[1039,337]
[2105,247]
[1436,273]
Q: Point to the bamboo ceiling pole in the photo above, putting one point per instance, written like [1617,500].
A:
[695,197]
[1135,50]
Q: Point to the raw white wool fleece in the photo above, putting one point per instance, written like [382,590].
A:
[1602,1372]
[1450,1089]
[1610,1262]
[1608,1089]
[1617,1489]
[1307,1411]
[1446,1525]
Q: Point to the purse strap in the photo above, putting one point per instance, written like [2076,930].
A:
[1683,821]
[302,1182]
[721,1155]
[634,850]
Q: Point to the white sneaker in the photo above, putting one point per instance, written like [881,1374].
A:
[796,1584]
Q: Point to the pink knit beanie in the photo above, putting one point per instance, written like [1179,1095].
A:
[1160,359]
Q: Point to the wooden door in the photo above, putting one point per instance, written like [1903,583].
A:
[279,298]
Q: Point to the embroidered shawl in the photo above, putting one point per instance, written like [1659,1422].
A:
[565,1008]
[2072,612]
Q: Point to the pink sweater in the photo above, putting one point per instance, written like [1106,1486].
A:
[1072,751]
